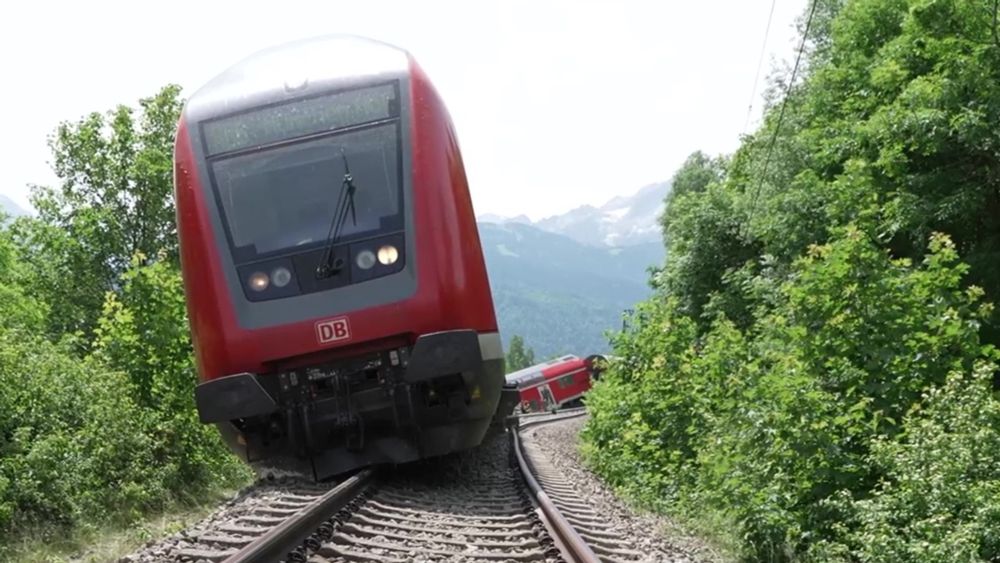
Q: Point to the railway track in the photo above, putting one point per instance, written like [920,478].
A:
[500,502]
[591,537]
[243,521]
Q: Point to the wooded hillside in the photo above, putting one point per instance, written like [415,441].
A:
[813,378]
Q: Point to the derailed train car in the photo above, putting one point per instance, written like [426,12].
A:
[558,383]
[338,297]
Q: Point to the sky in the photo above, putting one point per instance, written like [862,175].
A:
[556,103]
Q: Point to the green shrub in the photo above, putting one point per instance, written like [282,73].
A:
[767,429]
[97,416]
[641,416]
[939,500]
[791,406]
[84,441]
[143,332]
[74,447]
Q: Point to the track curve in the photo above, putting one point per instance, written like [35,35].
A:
[502,501]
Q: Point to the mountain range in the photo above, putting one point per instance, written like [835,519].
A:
[622,221]
[562,282]
[8,207]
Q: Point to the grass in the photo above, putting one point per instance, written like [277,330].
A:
[109,541]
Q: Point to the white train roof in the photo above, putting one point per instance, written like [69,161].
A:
[532,372]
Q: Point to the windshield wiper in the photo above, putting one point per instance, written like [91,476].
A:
[328,266]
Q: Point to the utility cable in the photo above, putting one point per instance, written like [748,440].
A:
[781,113]
[760,63]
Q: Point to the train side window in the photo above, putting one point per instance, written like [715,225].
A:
[566,381]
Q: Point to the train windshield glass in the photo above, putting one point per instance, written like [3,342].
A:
[283,197]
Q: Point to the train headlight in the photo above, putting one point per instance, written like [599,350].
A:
[365,259]
[259,281]
[281,276]
[388,255]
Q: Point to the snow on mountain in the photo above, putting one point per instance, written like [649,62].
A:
[621,221]
[500,219]
[543,282]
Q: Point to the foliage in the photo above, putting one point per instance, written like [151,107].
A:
[76,449]
[939,498]
[893,130]
[114,201]
[696,174]
[802,375]
[703,230]
[17,307]
[642,409]
[519,356]
[770,426]
[97,421]
[73,446]
[144,333]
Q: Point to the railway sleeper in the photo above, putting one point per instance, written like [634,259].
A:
[461,529]
[506,516]
[440,538]
[451,520]
[409,549]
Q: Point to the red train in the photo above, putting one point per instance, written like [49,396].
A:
[555,384]
[338,298]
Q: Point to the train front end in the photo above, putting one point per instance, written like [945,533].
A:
[338,299]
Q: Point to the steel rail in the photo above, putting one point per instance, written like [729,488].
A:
[568,411]
[574,548]
[284,538]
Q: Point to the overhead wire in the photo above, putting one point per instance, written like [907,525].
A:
[760,63]
[781,112]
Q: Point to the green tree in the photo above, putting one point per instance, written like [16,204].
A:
[770,426]
[144,333]
[519,356]
[18,308]
[114,201]
[891,127]
[786,378]
[97,421]
[698,171]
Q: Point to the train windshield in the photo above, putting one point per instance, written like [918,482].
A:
[281,195]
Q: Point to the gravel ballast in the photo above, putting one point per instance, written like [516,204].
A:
[441,510]
[464,508]
[653,534]
[252,511]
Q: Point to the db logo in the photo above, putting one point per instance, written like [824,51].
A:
[333,330]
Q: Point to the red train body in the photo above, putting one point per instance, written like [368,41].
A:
[332,350]
[555,384]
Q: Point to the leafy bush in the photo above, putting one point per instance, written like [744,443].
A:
[97,415]
[643,409]
[940,497]
[769,428]
[779,384]
[74,447]
[112,435]
[143,332]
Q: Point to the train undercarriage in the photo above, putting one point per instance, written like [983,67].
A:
[394,406]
